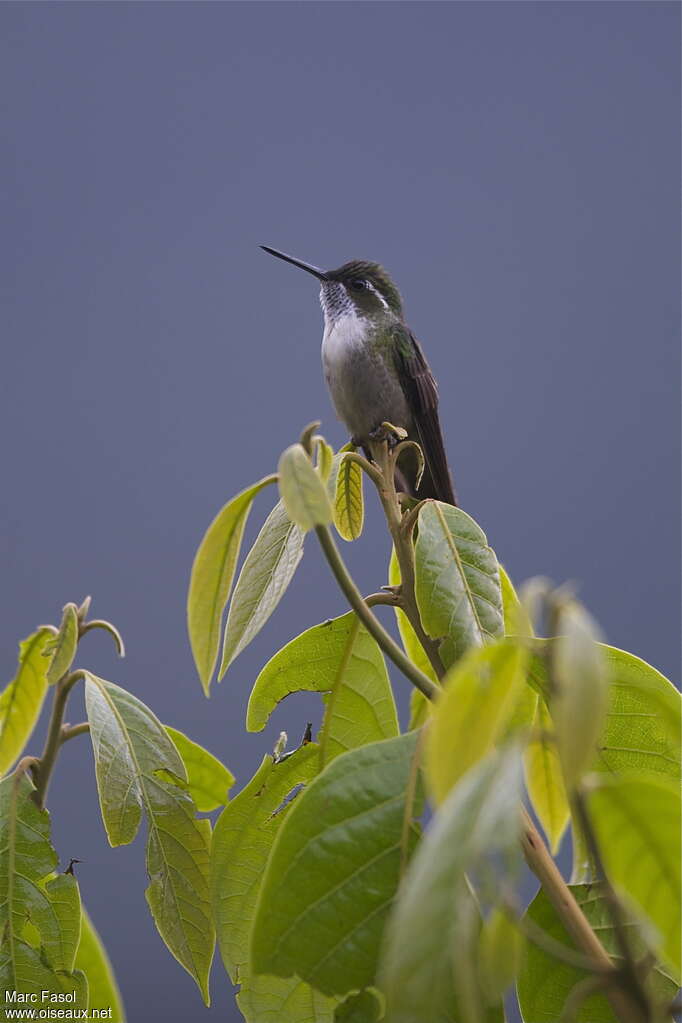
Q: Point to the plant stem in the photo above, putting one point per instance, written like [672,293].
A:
[71,731]
[626,1007]
[372,624]
[404,549]
[43,770]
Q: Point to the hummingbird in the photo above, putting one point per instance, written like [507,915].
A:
[376,370]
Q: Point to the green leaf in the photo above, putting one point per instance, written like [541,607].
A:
[500,954]
[279,1000]
[457,581]
[478,699]
[267,571]
[66,645]
[637,821]
[364,1007]
[432,938]
[579,704]
[302,489]
[641,731]
[545,983]
[342,661]
[27,860]
[22,700]
[27,972]
[93,961]
[134,757]
[544,779]
[349,511]
[241,843]
[334,870]
[242,839]
[208,780]
[211,579]
[413,648]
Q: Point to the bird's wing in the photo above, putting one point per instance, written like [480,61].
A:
[421,392]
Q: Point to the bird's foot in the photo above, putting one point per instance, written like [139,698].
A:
[393,435]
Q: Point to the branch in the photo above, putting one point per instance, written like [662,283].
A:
[43,769]
[71,731]
[372,624]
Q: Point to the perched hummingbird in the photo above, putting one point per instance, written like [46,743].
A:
[376,370]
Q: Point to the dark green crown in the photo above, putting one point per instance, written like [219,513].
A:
[360,269]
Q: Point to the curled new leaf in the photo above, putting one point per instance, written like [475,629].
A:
[303,490]
[66,644]
[267,571]
[211,579]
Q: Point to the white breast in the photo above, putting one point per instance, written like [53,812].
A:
[341,338]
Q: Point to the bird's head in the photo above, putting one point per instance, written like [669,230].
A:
[358,286]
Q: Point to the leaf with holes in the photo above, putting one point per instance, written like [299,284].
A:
[241,843]
[457,582]
[22,700]
[436,913]
[211,579]
[208,780]
[545,983]
[267,571]
[27,862]
[637,821]
[134,759]
[349,512]
[342,661]
[335,868]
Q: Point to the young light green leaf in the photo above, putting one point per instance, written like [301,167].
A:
[325,459]
[241,843]
[22,700]
[349,511]
[544,779]
[208,780]
[302,489]
[480,819]
[267,571]
[636,819]
[264,999]
[457,582]
[500,954]
[93,961]
[334,870]
[211,579]
[579,704]
[26,862]
[66,645]
[342,661]
[134,758]
[478,700]
[545,983]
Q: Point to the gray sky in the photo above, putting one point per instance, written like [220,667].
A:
[514,165]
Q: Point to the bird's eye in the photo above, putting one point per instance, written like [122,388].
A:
[358,285]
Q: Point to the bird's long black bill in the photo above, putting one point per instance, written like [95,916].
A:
[314,270]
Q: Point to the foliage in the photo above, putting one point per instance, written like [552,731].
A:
[336,893]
